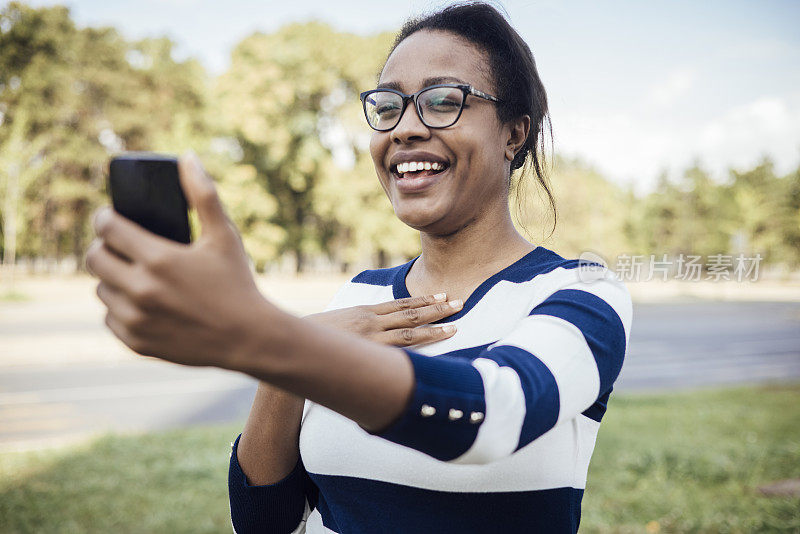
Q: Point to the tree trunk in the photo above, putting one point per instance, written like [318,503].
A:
[10,226]
[383,259]
[300,261]
[78,241]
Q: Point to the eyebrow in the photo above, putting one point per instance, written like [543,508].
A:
[425,83]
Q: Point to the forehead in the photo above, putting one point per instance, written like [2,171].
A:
[435,54]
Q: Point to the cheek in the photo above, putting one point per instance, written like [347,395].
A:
[377,148]
[378,145]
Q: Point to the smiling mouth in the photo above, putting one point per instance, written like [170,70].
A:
[418,169]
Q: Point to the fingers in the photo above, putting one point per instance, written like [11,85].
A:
[403,337]
[411,317]
[108,266]
[126,238]
[406,303]
[124,311]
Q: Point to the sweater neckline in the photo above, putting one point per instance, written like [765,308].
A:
[400,290]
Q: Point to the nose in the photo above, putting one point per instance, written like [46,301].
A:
[410,128]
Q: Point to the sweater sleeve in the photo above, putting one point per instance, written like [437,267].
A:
[278,508]
[477,406]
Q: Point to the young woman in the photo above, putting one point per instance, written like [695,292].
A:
[459,392]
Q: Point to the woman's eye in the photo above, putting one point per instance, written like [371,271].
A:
[386,110]
[443,104]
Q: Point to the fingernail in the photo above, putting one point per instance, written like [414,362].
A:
[194,159]
[440,296]
[456,304]
[449,329]
[101,217]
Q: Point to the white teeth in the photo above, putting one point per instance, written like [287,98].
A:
[413,166]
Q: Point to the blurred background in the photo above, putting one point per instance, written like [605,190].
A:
[675,159]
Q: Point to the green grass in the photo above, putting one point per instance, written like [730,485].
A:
[14,296]
[688,462]
[692,462]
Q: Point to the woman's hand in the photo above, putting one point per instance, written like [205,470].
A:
[189,304]
[396,322]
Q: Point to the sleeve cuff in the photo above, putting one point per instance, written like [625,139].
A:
[445,411]
[275,507]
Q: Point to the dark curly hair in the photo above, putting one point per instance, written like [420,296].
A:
[513,69]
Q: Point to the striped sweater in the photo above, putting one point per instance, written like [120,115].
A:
[499,431]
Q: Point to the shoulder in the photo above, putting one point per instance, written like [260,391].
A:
[587,287]
[542,272]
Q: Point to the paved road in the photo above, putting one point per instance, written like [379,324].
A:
[673,346]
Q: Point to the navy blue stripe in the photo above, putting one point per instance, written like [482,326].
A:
[380,277]
[467,353]
[599,323]
[269,508]
[539,386]
[356,505]
[444,384]
[598,409]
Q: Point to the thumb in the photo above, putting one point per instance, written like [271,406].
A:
[202,195]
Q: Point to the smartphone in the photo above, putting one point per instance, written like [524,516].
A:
[145,188]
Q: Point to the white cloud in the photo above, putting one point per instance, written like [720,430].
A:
[670,90]
[627,148]
[766,126]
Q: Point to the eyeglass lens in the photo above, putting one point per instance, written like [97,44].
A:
[438,107]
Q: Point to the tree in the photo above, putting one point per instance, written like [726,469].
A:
[79,96]
[291,102]
[591,211]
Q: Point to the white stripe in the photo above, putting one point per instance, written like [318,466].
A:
[488,320]
[331,444]
[357,294]
[560,345]
[498,435]
[314,524]
[585,438]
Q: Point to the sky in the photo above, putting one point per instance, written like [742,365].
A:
[635,88]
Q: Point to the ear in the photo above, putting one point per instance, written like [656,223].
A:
[518,133]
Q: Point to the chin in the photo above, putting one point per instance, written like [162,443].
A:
[428,219]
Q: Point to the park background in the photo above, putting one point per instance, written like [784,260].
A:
[676,136]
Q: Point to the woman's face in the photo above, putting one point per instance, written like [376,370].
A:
[473,151]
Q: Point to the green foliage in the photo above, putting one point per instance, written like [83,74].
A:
[72,97]
[289,99]
[679,462]
[591,211]
[754,212]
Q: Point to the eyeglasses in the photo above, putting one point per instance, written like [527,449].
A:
[438,106]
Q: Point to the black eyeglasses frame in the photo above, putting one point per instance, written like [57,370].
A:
[465,88]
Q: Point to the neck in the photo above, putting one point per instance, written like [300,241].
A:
[470,255]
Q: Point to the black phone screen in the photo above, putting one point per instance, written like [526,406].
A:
[145,188]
